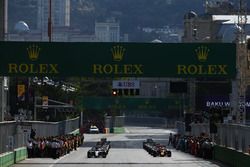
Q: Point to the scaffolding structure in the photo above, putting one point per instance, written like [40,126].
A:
[239,109]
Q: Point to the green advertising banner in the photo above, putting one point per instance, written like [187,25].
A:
[118,59]
[125,103]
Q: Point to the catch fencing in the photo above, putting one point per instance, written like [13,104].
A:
[14,134]
[233,136]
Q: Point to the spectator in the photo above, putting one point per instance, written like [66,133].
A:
[170,139]
[33,134]
[30,148]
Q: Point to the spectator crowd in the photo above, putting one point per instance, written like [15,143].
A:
[201,146]
[53,146]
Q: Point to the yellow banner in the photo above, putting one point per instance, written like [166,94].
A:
[45,101]
[21,92]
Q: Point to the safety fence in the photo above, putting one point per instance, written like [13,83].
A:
[8,131]
[233,136]
[147,121]
[15,137]
[232,140]
[15,134]
[180,127]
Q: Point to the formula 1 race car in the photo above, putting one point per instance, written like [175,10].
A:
[101,149]
[156,149]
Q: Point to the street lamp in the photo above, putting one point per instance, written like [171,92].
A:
[49,23]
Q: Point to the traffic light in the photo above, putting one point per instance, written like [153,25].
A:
[125,92]
[137,92]
[114,92]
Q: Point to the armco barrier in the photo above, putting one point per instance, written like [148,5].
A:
[20,154]
[6,159]
[231,157]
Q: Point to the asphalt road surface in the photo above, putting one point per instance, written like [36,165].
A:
[126,151]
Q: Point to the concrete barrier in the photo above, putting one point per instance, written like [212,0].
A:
[6,159]
[118,130]
[231,157]
[20,154]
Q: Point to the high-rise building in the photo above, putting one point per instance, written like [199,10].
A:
[220,7]
[60,14]
[108,31]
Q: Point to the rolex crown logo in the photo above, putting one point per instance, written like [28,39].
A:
[33,52]
[118,53]
[202,53]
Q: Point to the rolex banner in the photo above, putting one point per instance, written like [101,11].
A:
[118,59]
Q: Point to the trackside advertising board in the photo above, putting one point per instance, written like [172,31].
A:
[118,59]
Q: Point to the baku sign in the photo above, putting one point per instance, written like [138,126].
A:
[118,59]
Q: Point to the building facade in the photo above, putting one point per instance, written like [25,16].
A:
[60,14]
[218,25]
[108,31]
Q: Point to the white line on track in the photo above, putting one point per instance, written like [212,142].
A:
[55,162]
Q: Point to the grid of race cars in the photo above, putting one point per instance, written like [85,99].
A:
[101,149]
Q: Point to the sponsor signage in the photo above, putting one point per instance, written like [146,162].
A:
[118,59]
[223,102]
[126,84]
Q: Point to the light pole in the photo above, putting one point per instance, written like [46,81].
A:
[49,23]
[241,79]
[239,109]
[2,99]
